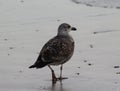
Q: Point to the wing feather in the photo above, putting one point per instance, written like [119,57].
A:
[57,50]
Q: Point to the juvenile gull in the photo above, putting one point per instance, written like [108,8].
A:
[57,50]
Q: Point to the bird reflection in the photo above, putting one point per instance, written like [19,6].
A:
[57,87]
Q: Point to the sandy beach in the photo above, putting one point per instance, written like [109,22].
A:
[26,25]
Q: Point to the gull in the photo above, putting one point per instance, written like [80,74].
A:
[57,51]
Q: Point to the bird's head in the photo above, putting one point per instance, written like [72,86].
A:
[65,28]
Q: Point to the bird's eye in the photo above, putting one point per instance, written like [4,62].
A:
[68,26]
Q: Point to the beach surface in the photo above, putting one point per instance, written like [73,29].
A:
[26,25]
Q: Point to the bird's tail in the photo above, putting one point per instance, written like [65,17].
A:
[38,65]
[32,66]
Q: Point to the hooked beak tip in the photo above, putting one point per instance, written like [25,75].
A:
[73,28]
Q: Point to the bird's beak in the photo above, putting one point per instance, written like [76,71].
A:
[73,28]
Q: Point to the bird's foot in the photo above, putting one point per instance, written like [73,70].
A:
[54,80]
[61,78]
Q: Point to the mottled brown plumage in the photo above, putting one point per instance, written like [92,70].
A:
[57,50]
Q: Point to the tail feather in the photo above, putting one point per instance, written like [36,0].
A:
[32,66]
[39,64]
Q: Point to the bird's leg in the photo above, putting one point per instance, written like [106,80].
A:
[54,79]
[61,67]
[61,78]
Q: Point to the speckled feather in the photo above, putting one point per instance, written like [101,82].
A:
[57,50]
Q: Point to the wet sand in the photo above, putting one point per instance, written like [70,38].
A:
[26,25]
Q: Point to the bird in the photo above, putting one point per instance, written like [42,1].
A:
[57,51]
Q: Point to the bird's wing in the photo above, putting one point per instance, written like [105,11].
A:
[57,49]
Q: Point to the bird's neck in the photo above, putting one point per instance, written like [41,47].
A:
[63,33]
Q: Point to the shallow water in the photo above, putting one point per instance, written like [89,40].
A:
[100,3]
